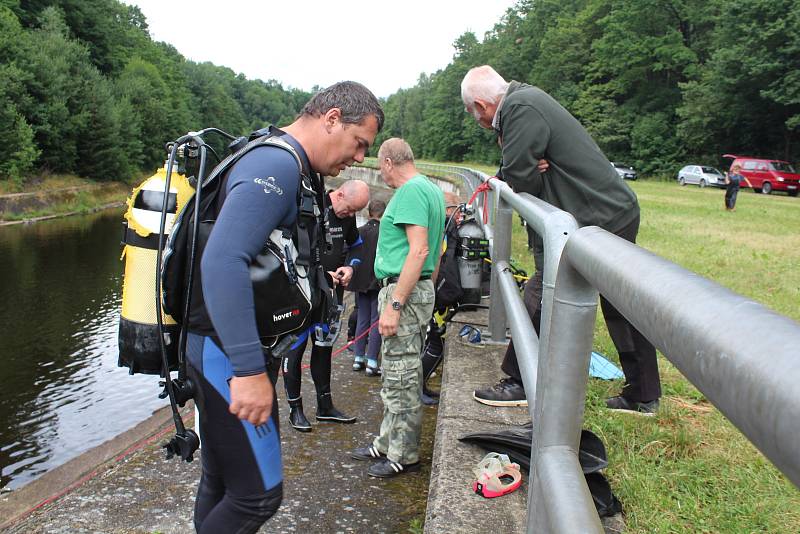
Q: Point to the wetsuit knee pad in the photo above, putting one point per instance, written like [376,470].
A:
[259,507]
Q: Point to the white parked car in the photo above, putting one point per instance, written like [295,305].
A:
[701,175]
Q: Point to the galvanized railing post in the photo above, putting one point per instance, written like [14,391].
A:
[560,394]
[501,252]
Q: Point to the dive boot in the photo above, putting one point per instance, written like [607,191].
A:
[296,416]
[428,397]
[327,412]
[430,362]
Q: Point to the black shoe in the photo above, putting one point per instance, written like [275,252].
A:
[327,412]
[296,416]
[388,469]
[621,404]
[367,453]
[430,392]
[508,392]
[427,400]
[373,371]
[358,365]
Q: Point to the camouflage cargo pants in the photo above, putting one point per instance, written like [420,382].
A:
[402,375]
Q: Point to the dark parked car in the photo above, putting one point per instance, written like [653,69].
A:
[624,171]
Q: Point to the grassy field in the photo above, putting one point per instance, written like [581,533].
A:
[689,469]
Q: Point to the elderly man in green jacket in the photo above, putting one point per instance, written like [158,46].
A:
[579,180]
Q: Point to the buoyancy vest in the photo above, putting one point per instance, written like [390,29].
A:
[288,281]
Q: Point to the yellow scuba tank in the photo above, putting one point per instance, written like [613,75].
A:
[139,347]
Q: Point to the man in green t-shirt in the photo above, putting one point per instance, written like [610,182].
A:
[406,262]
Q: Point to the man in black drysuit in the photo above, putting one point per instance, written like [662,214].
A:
[341,235]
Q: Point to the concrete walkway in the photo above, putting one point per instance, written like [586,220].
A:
[452,505]
[127,486]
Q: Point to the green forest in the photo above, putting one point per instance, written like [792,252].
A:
[84,90]
[658,83]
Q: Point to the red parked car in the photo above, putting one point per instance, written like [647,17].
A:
[768,175]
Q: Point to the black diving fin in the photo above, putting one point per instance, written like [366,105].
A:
[516,442]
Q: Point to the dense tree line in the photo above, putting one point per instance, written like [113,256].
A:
[659,83]
[85,90]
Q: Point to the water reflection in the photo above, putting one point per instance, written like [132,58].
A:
[61,391]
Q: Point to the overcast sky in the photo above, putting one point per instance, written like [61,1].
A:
[302,43]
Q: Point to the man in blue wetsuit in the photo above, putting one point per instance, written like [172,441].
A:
[241,483]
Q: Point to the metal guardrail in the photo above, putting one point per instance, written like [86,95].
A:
[752,381]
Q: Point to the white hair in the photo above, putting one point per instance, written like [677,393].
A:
[482,83]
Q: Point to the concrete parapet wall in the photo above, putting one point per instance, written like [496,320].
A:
[19,202]
[452,505]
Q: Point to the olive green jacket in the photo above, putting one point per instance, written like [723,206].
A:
[580,180]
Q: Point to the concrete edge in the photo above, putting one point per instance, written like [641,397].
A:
[61,480]
[61,215]
[452,505]
[76,188]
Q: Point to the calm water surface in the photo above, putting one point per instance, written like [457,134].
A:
[61,392]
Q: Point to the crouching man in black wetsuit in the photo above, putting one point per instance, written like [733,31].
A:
[341,235]
[241,483]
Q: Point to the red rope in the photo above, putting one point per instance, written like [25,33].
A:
[104,466]
[483,188]
[349,343]
[352,341]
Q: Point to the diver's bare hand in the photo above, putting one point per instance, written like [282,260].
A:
[251,398]
[344,274]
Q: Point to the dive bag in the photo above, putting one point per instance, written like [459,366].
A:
[448,283]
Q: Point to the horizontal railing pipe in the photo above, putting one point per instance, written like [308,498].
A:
[742,356]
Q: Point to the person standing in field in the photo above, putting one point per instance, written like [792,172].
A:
[733,181]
